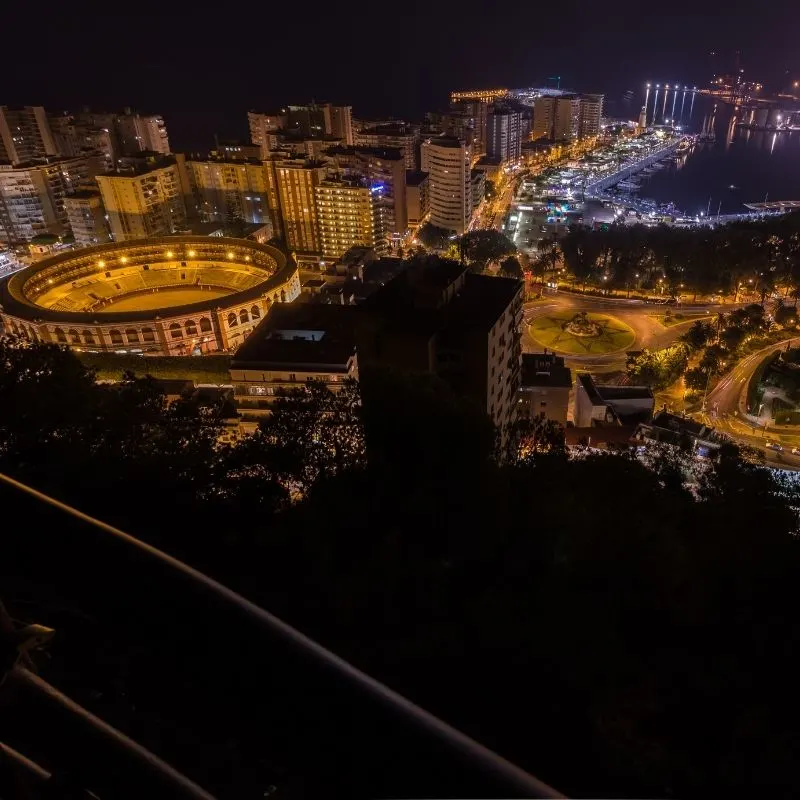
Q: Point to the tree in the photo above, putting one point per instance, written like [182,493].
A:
[311,434]
[699,335]
[482,246]
[433,237]
[696,378]
[660,368]
[511,268]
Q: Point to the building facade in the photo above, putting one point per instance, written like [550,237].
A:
[86,218]
[416,197]
[545,387]
[591,114]
[225,190]
[384,169]
[291,183]
[447,162]
[25,135]
[348,212]
[148,200]
[504,134]
[137,133]
[260,126]
[32,196]
[477,112]
[401,136]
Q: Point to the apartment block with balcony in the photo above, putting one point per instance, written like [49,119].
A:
[400,135]
[86,218]
[260,126]
[349,215]
[291,184]
[225,189]
[32,196]
[142,133]
[147,199]
[384,168]
[25,135]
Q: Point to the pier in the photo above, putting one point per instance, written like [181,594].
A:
[596,188]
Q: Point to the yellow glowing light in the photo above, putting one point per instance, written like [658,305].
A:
[169,254]
[247,258]
[230,254]
[101,263]
[124,259]
[191,254]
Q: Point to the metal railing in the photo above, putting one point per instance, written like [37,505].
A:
[233,696]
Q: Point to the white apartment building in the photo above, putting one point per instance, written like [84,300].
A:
[447,162]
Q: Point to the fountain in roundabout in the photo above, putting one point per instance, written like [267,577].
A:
[580,325]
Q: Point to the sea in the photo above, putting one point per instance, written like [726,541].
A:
[741,166]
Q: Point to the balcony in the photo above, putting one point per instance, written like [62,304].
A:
[209,686]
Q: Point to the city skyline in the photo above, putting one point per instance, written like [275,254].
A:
[203,83]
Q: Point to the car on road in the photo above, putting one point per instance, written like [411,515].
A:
[778,448]
[795,451]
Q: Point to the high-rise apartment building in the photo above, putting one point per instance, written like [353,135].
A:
[149,199]
[416,196]
[348,211]
[142,133]
[504,134]
[291,183]
[339,122]
[225,189]
[402,136]
[556,117]
[32,196]
[25,135]
[86,217]
[453,123]
[435,317]
[590,115]
[260,126]
[384,168]
[79,135]
[447,162]
[477,112]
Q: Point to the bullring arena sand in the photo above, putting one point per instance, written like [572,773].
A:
[164,298]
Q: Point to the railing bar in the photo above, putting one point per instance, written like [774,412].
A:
[499,765]
[32,768]
[161,767]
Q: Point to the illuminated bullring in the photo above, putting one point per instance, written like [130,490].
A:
[175,296]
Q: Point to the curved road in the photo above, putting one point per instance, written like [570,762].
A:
[726,406]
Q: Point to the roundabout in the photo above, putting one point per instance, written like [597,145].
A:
[582,333]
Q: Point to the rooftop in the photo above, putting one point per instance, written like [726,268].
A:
[600,395]
[300,335]
[441,294]
[386,153]
[399,129]
[545,369]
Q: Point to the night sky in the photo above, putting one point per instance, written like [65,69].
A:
[203,69]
